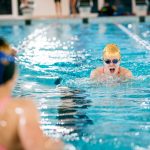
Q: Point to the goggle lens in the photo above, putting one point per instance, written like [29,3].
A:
[114,61]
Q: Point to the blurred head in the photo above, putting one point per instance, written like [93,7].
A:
[7,68]
[111,58]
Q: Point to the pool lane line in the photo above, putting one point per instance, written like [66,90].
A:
[138,39]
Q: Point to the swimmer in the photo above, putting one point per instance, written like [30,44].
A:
[111,68]
[19,118]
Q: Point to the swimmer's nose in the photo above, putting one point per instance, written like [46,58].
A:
[111,64]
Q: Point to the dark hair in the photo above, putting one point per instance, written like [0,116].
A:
[9,71]
[7,67]
[6,72]
[3,41]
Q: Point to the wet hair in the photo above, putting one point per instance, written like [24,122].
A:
[111,50]
[7,67]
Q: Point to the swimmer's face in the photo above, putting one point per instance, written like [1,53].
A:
[111,64]
[111,59]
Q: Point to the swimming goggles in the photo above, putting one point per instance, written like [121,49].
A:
[114,61]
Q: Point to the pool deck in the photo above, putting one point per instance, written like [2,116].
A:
[7,20]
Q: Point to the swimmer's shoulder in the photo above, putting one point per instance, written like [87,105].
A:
[126,72]
[97,72]
[27,106]
[26,103]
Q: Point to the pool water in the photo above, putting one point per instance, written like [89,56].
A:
[55,61]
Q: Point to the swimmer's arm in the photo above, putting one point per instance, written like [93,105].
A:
[128,75]
[31,135]
[92,75]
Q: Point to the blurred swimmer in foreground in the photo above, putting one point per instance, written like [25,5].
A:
[19,118]
[111,68]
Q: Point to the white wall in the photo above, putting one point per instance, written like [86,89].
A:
[43,8]
[47,8]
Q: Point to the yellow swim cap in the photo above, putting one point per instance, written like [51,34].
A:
[111,50]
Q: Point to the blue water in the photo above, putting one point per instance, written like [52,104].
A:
[55,61]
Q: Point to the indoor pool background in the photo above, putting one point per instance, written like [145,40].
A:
[55,61]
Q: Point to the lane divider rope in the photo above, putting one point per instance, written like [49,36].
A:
[138,39]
